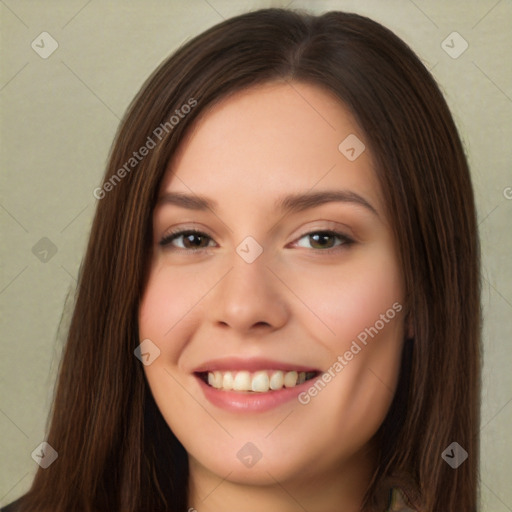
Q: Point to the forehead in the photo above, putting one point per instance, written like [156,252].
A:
[270,140]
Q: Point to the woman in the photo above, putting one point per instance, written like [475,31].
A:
[220,355]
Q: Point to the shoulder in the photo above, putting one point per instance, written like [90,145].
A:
[12,507]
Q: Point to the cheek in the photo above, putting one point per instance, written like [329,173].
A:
[169,304]
[362,305]
[352,297]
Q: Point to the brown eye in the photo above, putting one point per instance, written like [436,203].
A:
[325,240]
[192,240]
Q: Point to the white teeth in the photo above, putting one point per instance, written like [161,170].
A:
[277,380]
[259,382]
[227,381]
[215,379]
[290,379]
[242,381]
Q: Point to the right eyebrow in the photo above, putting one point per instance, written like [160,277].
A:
[190,202]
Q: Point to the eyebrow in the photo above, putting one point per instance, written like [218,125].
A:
[292,203]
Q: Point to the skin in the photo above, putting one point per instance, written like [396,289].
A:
[298,302]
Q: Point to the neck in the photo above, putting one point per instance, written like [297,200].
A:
[342,488]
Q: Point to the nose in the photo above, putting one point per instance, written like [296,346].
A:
[248,298]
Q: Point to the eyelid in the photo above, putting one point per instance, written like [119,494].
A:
[165,241]
[332,232]
[185,226]
[346,241]
[328,226]
[173,234]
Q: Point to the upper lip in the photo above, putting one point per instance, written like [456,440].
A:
[251,365]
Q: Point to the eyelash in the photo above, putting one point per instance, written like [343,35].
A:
[173,235]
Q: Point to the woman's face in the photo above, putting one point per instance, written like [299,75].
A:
[294,275]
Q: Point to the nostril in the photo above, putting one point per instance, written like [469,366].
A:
[261,324]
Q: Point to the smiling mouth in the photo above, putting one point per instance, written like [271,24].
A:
[261,381]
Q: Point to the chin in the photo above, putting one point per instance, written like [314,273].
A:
[266,471]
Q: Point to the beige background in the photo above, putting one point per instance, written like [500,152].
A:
[58,119]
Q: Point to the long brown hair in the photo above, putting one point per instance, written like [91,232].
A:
[116,452]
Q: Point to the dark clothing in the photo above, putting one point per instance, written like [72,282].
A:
[12,507]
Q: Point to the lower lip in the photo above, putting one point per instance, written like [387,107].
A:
[247,401]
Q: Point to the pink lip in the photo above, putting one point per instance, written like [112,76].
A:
[250,365]
[248,401]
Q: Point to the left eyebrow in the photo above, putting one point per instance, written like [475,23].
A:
[290,203]
[301,202]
